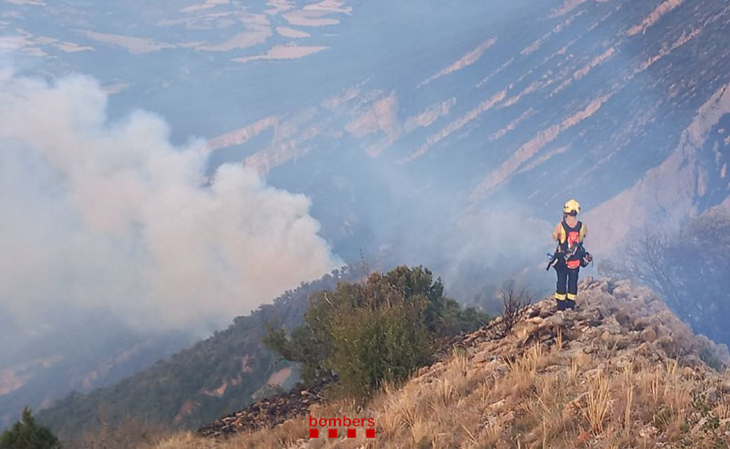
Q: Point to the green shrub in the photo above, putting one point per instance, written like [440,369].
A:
[372,346]
[303,348]
[376,331]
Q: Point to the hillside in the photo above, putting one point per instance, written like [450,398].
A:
[467,104]
[620,371]
[222,373]
[434,117]
[94,351]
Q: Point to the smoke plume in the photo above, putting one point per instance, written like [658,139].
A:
[100,213]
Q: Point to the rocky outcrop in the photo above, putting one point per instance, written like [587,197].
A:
[630,318]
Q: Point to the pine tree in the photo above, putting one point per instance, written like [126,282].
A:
[26,434]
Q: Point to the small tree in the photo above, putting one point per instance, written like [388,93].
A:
[376,331]
[645,260]
[26,434]
[689,270]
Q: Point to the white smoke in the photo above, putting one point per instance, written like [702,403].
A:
[99,213]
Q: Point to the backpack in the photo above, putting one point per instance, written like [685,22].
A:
[571,244]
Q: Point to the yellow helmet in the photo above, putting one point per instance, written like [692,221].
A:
[571,206]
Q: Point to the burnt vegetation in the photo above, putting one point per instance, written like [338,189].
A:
[514,304]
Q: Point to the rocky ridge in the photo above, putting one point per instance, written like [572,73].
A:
[630,319]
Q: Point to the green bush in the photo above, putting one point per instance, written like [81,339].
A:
[303,347]
[372,332]
[26,434]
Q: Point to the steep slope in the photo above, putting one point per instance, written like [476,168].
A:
[621,371]
[223,373]
[50,365]
[691,180]
[373,108]
[580,99]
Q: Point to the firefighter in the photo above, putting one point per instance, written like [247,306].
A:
[570,255]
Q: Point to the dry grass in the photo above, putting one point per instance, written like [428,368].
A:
[598,402]
[627,410]
[284,436]
[540,399]
[128,433]
[573,372]
[188,441]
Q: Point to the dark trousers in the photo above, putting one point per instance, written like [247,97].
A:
[567,285]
